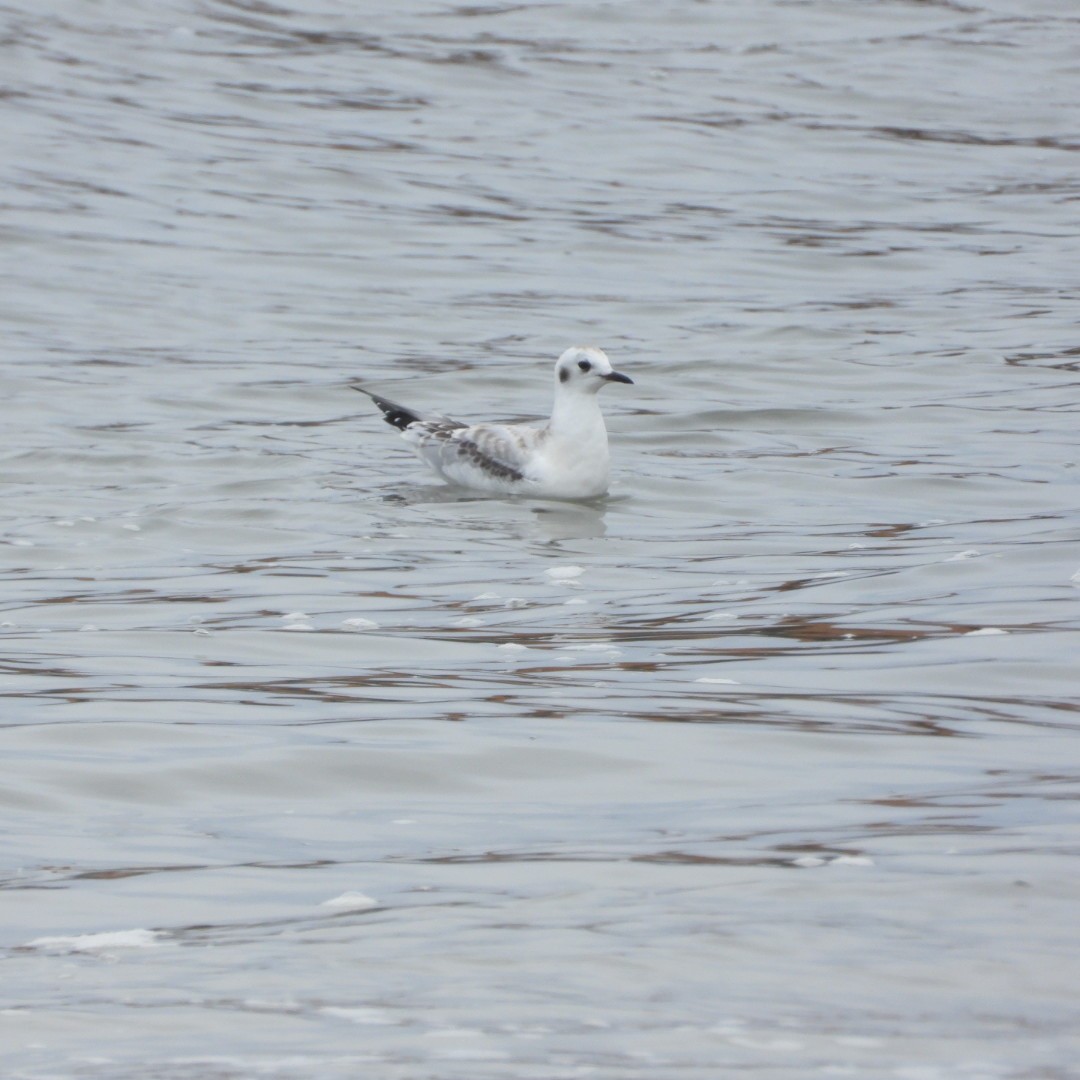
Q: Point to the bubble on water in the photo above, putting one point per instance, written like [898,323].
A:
[22,543]
[852,860]
[293,615]
[720,615]
[360,623]
[296,626]
[960,556]
[202,632]
[512,646]
[87,628]
[131,526]
[726,682]
[574,600]
[985,631]
[808,860]
[516,602]
[485,596]
[468,620]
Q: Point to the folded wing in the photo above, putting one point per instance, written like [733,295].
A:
[484,455]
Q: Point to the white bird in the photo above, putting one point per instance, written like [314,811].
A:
[566,458]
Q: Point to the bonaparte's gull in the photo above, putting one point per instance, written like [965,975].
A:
[566,458]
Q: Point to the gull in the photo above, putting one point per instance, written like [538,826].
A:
[566,458]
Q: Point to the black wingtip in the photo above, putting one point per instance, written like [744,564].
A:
[395,415]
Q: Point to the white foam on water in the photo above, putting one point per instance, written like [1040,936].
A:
[359,1015]
[350,901]
[564,573]
[110,939]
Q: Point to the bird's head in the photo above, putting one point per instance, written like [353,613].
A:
[586,369]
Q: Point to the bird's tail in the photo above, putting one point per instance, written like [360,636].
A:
[394,414]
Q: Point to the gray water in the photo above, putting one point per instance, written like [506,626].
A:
[765,765]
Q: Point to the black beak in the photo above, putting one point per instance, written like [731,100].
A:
[618,376]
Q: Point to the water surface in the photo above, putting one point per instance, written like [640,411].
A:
[764,764]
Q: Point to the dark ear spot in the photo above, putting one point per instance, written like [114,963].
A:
[563,374]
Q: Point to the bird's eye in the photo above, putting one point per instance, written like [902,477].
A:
[584,365]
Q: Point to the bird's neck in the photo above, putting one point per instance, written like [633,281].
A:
[576,415]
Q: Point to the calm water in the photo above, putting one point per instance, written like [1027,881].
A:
[766,765]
